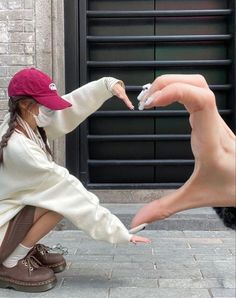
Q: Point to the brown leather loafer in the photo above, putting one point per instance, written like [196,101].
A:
[27,276]
[54,261]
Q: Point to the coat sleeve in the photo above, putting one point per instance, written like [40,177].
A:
[44,184]
[85,101]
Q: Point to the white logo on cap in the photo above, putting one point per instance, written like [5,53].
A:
[53,86]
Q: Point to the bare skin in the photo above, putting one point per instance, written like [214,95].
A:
[46,220]
[212,183]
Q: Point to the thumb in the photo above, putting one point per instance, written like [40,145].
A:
[181,199]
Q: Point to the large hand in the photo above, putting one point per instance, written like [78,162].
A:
[212,182]
[119,91]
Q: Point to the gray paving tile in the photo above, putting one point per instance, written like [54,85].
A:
[77,292]
[120,272]
[216,257]
[223,293]
[210,234]
[190,283]
[160,293]
[229,283]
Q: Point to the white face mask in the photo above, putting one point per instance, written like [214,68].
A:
[44,117]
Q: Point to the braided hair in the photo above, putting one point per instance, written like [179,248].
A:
[45,139]
[14,110]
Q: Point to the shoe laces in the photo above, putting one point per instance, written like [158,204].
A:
[31,263]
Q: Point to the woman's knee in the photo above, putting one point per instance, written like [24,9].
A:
[39,212]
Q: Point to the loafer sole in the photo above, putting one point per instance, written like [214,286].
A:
[31,287]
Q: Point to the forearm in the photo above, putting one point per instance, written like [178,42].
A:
[64,194]
[85,101]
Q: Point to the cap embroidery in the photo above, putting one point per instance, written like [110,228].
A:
[53,86]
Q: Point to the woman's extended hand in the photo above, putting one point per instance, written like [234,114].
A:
[139,239]
[119,91]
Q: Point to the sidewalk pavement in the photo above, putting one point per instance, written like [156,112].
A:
[178,264]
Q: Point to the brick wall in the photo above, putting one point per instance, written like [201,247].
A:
[17,41]
[31,34]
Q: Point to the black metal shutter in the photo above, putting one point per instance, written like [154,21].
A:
[137,41]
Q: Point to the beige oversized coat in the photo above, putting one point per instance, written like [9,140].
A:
[27,177]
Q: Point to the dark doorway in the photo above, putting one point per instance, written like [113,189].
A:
[136,41]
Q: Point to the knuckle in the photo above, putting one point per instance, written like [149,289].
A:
[176,89]
[161,81]
[201,79]
[210,100]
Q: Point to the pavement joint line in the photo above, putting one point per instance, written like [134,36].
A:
[210,293]
[110,274]
[153,252]
[201,273]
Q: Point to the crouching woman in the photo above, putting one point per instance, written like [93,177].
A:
[35,192]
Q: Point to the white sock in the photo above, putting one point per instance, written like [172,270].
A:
[19,253]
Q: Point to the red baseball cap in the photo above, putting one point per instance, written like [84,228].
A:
[33,82]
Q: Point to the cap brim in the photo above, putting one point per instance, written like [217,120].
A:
[53,102]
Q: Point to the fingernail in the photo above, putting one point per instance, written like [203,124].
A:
[141,95]
[149,100]
[141,107]
[144,91]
